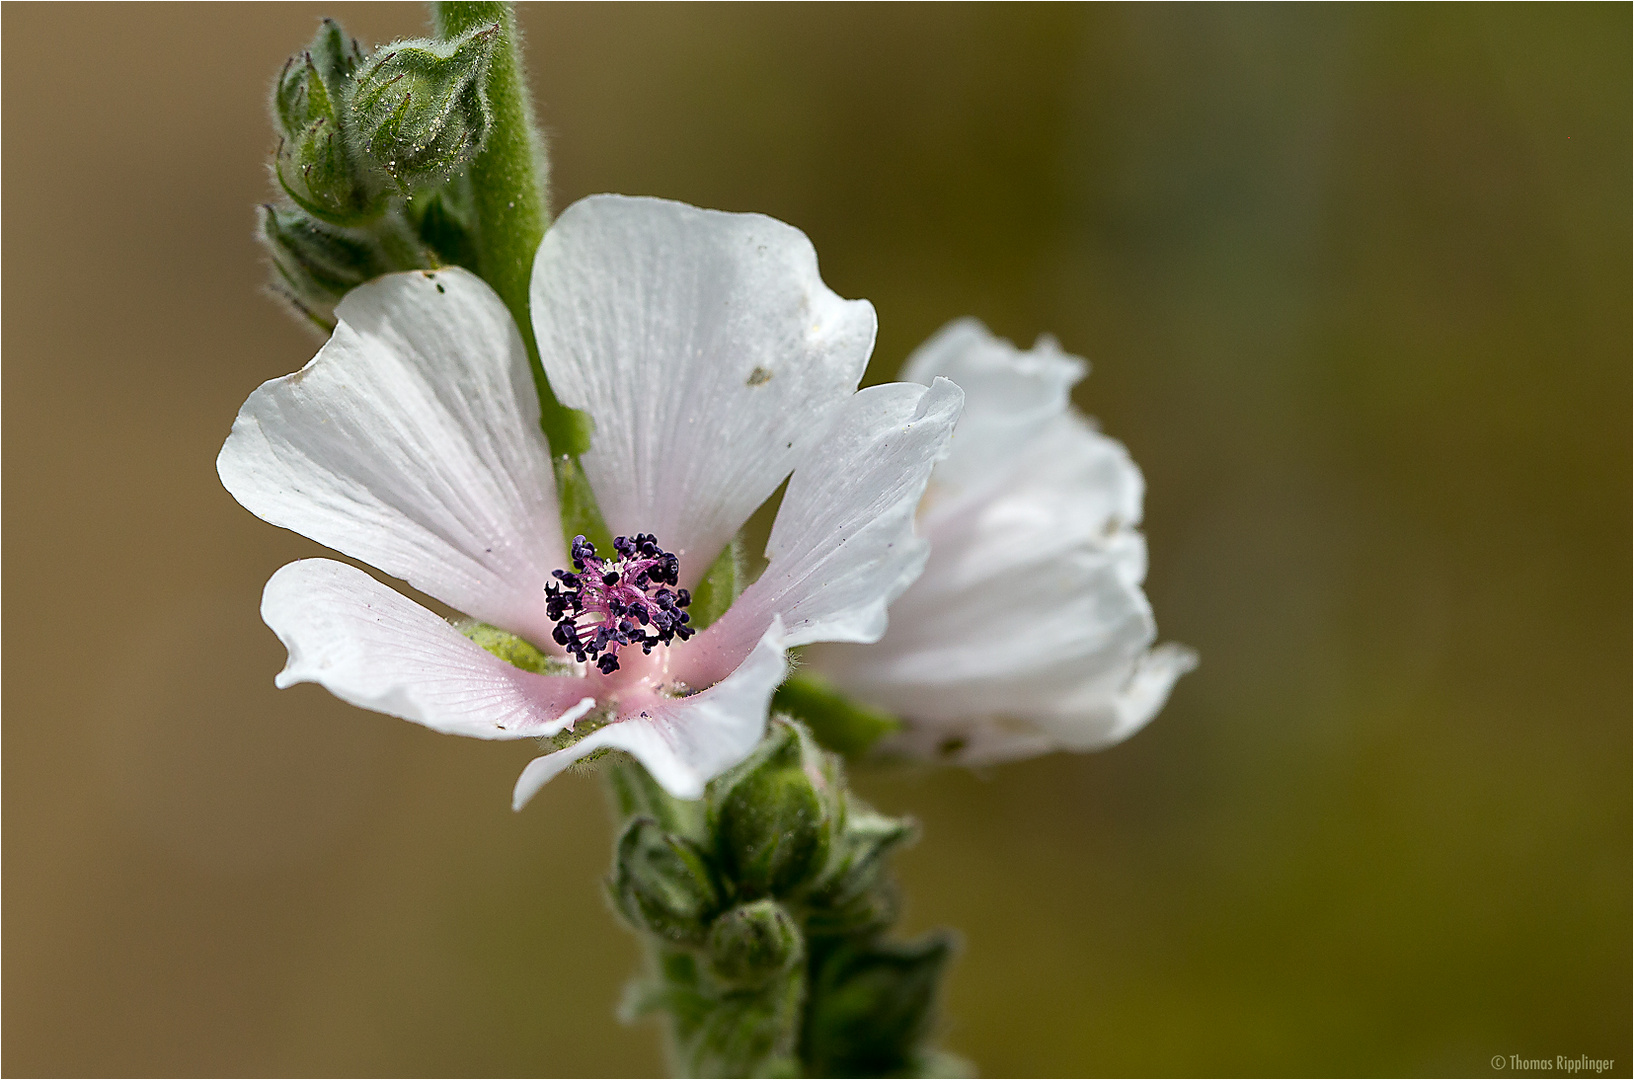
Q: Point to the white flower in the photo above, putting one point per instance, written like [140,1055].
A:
[713,361]
[1028,631]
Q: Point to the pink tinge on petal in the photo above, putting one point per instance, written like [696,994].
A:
[684,742]
[374,648]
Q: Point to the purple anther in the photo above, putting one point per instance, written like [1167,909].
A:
[597,609]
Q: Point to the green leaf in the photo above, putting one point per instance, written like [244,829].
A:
[854,895]
[314,162]
[636,793]
[446,223]
[317,263]
[752,1034]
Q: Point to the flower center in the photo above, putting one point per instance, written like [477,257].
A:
[604,605]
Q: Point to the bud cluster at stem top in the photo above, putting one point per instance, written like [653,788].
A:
[372,151]
[765,914]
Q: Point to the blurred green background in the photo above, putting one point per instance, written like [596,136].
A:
[1356,284]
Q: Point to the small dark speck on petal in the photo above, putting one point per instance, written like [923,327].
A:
[758,377]
[440,288]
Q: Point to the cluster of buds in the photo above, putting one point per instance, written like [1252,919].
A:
[600,606]
[370,156]
[766,915]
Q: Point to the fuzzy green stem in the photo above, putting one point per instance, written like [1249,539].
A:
[508,185]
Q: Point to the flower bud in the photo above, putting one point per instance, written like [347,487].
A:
[663,884]
[313,163]
[316,263]
[871,1007]
[860,852]
[772,817]
[854,895]
[420,108]
[312,86]
[752,944]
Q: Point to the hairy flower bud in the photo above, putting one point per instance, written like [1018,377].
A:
[317,264]
[663,884]
[774,815]
[310,102]
[854,895]
[871,1007]
[420,108]
[752,944]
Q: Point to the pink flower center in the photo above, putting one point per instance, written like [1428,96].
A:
[604,605]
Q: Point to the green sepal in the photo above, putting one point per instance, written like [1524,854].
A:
[872,1006]
[420,108]
[752,944]
[855,896]
[635,793]
[514,650]
[317,264]
[773,816]
[445,221]
[581,515]
[839,723]
[314,163]
[753,1034]
[663,883]
[720,585]
[313,83]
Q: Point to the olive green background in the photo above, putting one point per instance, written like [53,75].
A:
[1356,284]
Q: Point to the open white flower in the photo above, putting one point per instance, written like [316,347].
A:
[713,361]
[1028,631]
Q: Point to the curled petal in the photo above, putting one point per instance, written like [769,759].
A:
[412,442]
[376,649]
[707,350]
[1008,395]
[683,742]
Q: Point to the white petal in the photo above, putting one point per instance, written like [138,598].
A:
[1015,646]
[843,546]
[372,647]
[1103,710]
[706,348]
[1040,573]
[412,442]
[1028,630]
[1091,717]
[1068,487]
[683,742]
[1008,394]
